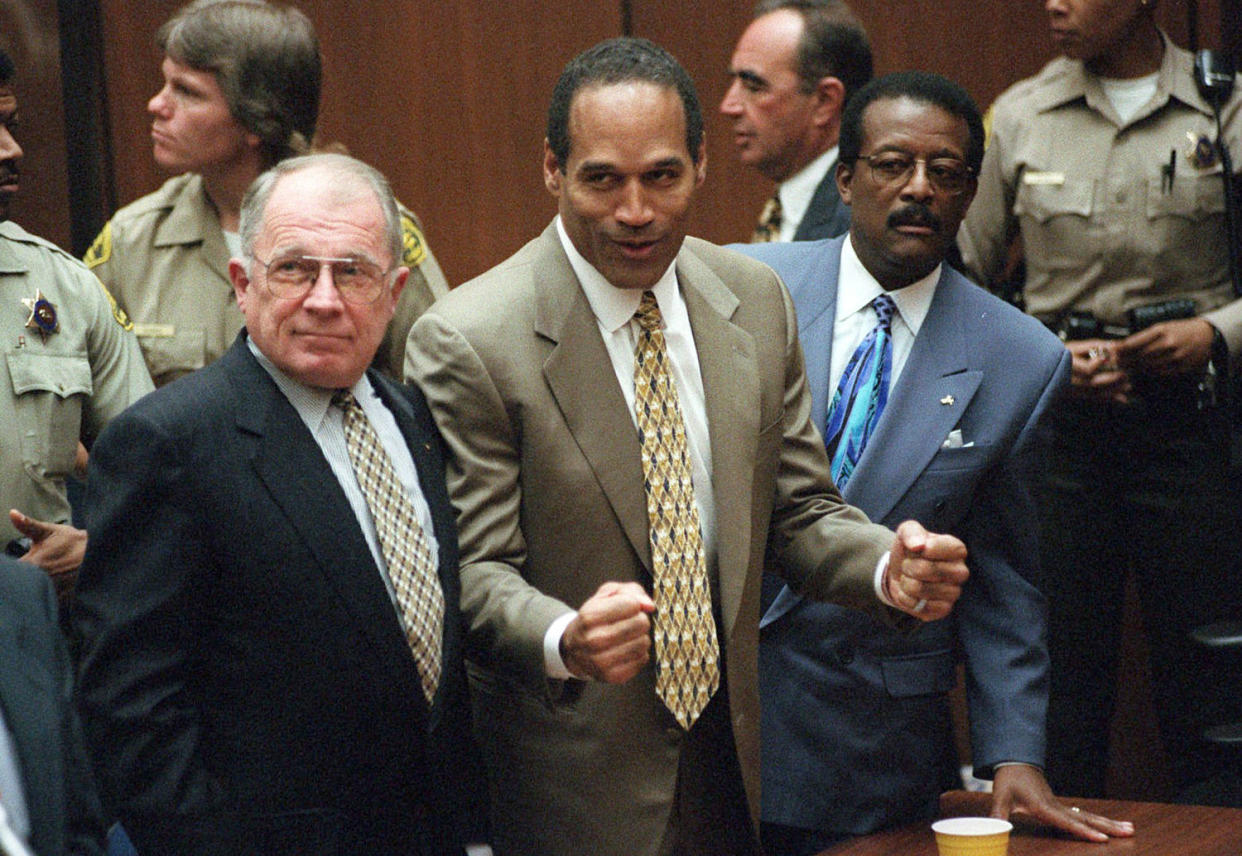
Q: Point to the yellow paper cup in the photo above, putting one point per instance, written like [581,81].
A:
[972,836]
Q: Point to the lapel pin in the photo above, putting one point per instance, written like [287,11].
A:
[42,315]
[948,400]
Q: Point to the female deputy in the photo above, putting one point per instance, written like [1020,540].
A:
[1103,163]
[241,92]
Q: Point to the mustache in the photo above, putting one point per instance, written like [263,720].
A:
[8,169]
[914,214]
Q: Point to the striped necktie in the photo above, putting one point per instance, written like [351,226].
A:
[687,670]
[406,551]
[861,395]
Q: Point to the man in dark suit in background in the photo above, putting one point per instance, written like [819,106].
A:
[46,787]
[856,727]
[268,609]
[794,68]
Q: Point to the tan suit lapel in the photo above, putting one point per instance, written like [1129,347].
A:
[581,379]
[731,390]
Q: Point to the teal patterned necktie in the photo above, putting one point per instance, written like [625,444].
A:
[861,395]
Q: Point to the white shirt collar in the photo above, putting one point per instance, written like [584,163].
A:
[856,288]
[615,307]
[797,191]
[311,402]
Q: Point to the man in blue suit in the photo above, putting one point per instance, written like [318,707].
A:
[271,658]
[856,725]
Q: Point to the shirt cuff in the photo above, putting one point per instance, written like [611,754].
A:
[880,568]
[552,662]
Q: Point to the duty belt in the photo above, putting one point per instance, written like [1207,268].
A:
[1074,325]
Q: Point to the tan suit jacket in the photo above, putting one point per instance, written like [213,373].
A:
[546,478]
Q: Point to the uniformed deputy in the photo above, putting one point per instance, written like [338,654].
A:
[70,365]
[241,92]
[1103,162]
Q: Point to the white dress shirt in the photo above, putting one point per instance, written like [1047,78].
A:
[12,794]
[327,426]
[614,310]
[856,288]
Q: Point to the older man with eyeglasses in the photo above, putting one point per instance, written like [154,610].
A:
[927,390]
[271,656]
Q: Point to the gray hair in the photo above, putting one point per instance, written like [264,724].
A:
[266,59]
[349,172]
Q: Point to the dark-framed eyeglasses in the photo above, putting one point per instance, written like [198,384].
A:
[947,175]
[292,275]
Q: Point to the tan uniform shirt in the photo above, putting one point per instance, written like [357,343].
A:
[60,387]
[165,260]
[1103,227]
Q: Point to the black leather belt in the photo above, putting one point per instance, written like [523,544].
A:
[1075,325]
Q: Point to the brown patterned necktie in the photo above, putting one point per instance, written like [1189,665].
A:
[411,566]
[768,228]
[687,655]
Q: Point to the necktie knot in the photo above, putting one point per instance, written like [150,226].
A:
[344,399]
[884,308]
[648,313]
[770,221]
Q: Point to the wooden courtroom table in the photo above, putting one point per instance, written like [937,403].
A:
[1159,830]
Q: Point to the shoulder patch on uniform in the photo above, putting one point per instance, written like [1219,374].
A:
[100,251]
[118,314]
[413,245]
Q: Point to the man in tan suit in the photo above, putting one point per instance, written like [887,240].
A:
[537,373]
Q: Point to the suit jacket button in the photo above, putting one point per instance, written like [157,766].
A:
[845,655]
[673,734]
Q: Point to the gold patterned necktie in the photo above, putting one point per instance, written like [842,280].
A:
[768,228]
[411,566]
[687,655]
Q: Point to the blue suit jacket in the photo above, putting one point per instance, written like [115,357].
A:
[855,718]
[36,685]
[245,681]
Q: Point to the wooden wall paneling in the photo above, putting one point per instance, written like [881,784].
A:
[30,35]
[449,99]
[1231,29]
[87,144]
[132,76]
[451,103]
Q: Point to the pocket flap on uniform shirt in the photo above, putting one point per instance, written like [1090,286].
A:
[1193,197]
[61,374]
[172,351]
[1045,201]
[918,674]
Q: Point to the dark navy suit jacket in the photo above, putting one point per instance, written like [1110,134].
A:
[245,681]
[855,718]
[36,684]
[827,216]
